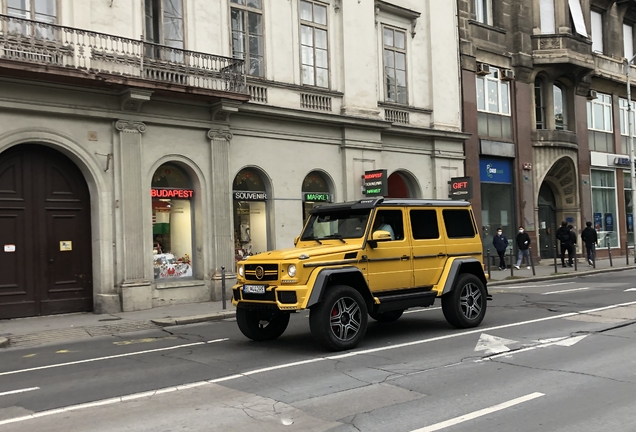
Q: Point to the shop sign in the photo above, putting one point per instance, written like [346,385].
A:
[375,183]
[620,161]
[495,171]
[171,193]
[250,196]
[315,197]
[461,188]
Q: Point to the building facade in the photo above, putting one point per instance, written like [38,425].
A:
[544,88]
[142,156]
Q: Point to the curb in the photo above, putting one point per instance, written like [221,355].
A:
[217,316]
[556,277]
[4,342]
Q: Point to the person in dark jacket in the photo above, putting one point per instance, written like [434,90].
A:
[570,242]
[500,242]
[563,236]
[523,243]
[590,239]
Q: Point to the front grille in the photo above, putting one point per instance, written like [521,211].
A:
[287,297]
[267,272]
[268,296]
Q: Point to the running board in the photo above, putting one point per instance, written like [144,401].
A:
[405,301]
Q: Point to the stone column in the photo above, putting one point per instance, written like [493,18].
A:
[221,199]
[136,287]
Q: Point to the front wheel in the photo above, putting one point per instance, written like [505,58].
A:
[339,321]
[261,325]
[465,306]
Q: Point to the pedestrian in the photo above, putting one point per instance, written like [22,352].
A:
[500,242]
[590,239]
[570,242]
[523,243]
[563,236]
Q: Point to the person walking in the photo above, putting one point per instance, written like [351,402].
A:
[563,236]
[500,242]
[570,242]
[523,244]
[590,239]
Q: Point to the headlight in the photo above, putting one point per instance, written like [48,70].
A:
[291,270]
[241,272]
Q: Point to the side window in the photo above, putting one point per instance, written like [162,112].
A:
[424,224]
[391,221]
[458,223]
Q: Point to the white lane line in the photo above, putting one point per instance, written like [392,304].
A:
[288,365]
[480,413]
[565,291]
[531,286]
[421,310]
[19,391]
[109,357]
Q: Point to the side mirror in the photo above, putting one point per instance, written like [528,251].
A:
[296,240]
[381,235]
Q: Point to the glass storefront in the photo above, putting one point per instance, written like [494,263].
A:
[604,208]
[172,214]
[497,209]
[629,208]
[315,192]
[250,214]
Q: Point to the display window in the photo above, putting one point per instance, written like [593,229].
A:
[250,214]
[172,221]
[315,192]
[604,207]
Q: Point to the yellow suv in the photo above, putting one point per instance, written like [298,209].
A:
[373,257]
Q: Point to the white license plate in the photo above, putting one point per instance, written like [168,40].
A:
[254,289]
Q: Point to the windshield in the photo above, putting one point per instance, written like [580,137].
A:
[337,224]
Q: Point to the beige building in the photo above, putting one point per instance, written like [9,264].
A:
[147,144]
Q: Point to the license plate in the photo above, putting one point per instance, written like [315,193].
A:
[254,289]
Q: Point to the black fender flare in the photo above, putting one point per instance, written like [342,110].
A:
[472,265]
[322,281]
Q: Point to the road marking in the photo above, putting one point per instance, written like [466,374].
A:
[19,391]
[566,342]
[421,310]
[493,344]
[630,289]
[151,393]
[564,291]
[109,357]
[480,413]
[532,286]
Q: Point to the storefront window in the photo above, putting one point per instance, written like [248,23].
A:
[497,200]
[250,214]
[315,192]
[629,209]
[604,207]
[172,214]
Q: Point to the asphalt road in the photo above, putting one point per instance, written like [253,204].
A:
[550,356]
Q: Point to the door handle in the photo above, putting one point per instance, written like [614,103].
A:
[405,258]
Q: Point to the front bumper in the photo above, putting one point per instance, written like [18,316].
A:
[283,297]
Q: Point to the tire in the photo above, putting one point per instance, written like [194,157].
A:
[465,306]
[339,321]
[261,325]
[386,317]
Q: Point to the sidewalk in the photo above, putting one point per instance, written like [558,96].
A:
[25,332]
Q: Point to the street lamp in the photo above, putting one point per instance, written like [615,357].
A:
[630,114]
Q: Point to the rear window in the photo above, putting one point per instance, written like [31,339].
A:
[459,223]
[424,224]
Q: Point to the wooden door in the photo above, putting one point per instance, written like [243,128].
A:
[45,234]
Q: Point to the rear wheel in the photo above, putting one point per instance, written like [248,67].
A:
[388,316]
[465,306]
[261,325]
[339,321]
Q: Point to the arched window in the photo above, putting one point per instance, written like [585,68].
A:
[250,213]
[539,108]
[172,216]
[560,117]
[315,191]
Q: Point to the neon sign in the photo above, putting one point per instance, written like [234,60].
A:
[323,197]
[375,183]
[171,193]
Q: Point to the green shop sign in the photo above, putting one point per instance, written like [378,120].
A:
[315,197]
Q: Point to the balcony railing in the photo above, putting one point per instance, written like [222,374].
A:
[52,45]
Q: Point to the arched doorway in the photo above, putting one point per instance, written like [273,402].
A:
[250,213]
[547,221]
[45,234]
[402,185]
[316,191]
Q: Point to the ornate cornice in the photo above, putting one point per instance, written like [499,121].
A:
[220,134]
[130,126]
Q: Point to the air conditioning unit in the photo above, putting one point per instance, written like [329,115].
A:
[591,95]
[483,69]
[507,75]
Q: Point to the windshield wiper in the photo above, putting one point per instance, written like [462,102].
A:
[312,238]
[336,236]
